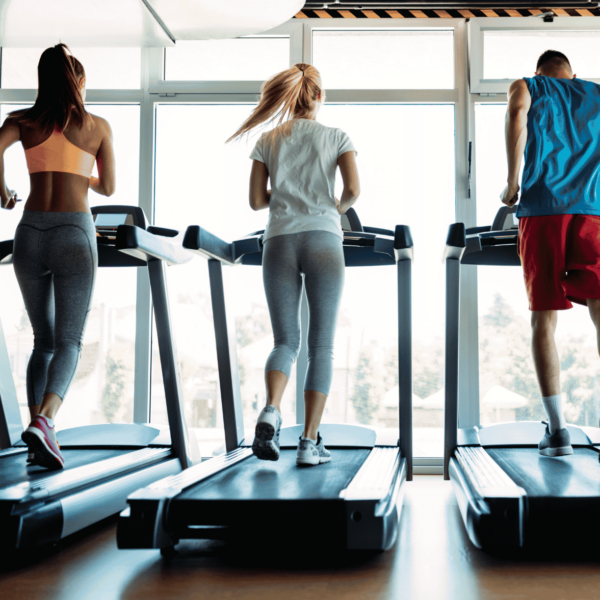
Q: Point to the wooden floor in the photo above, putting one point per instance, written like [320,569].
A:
[432,560]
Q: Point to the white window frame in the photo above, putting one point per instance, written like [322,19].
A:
[160,86]
[476,28]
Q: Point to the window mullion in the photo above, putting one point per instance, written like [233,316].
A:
[151,58]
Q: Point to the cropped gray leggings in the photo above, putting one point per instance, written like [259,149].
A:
[320,257]
[55,259]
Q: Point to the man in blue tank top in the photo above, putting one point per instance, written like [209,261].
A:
[554,119]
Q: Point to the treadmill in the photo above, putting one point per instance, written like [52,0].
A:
[103,463]
[352,502]
[510,496]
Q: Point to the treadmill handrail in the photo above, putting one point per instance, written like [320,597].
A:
[206,244]
[148,246]
[501,233]
[6,249]
[456,242]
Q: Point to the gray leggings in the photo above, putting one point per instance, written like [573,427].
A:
[320,257]
[55,259]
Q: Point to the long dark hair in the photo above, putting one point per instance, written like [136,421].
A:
[59,102]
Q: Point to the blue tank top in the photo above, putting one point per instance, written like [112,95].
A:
[562,154]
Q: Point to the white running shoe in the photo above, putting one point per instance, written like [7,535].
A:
[310,453]
[266,436]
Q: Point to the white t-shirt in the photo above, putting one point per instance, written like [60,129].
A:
[302,170]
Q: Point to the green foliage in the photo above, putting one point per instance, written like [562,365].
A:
[253,326]
[505,359]
[368,389]
[112,393]
[428,368]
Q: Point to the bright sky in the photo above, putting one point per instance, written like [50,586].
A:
[514,54]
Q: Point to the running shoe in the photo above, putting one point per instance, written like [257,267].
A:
[310,453]
[41,439]
[556,444]
[266,434]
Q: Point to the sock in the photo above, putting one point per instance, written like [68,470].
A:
[553,407]
[308,439]
[48,420]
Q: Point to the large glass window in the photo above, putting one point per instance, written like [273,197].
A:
[244,59]
[385,59]
[397,188]
[102,391]
[105,68]
[514,54]
[507,380]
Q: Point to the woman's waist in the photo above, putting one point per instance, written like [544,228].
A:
[284,208]
[45,219]
[58,200]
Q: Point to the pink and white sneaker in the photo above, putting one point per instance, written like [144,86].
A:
[41,440]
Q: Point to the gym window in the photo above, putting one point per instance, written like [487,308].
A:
[106,68]
[384,59]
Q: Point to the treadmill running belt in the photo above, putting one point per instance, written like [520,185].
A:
[561,506]
[254,479]
[302,500]
[573,476]
[14,468]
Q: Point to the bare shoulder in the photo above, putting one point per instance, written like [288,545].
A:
[101,125]
[518,86]
[10,133]
[11,121]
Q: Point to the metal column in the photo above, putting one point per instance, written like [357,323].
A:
[180,440]
[229,379]
[405,361]
[11,426]
[451,360]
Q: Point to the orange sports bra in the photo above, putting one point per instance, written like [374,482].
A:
[57,153]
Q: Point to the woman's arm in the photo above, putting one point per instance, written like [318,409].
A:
[260,196]
[9,134]
[349,171]
[104,184]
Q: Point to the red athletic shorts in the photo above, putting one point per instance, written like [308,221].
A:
[560,255]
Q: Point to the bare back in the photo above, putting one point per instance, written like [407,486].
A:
[65,192]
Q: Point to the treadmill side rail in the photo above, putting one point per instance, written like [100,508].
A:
[144,524]
[372,511]
[492,505]
[53,521]
[59,483]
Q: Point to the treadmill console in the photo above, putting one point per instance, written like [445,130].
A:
[108,223]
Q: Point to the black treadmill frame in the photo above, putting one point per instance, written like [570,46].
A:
[496,511]
[368,507]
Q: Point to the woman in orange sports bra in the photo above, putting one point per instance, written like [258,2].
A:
[55,254]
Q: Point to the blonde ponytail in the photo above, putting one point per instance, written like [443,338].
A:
[288,95]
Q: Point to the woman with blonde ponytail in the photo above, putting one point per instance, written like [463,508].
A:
[303,238]
[55,254]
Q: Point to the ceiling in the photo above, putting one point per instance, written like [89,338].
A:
[136,23]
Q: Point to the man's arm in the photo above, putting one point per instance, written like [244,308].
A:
[519,103]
